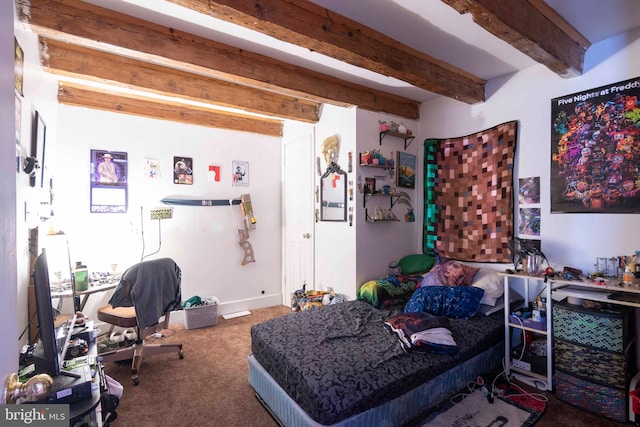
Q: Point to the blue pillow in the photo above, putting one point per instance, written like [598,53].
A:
[458,302]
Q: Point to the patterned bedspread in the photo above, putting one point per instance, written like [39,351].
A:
[339,360]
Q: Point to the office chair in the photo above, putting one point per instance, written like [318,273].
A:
[147,292]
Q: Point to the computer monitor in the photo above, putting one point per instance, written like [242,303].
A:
[46,355]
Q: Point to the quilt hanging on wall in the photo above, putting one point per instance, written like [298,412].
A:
[469,195]
[595,150]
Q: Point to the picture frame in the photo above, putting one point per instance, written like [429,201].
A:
[240,171]
[406,173]
[38,150]
[369,185]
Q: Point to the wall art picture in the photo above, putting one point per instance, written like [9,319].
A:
[406,175]
[38,150]
[240,172]
[595,148]
[470,219]
[183,170]
[152,168]
[529,190]
[108,172]
[213,173]
[529,224]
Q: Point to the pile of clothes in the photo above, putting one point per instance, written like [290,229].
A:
[302,299]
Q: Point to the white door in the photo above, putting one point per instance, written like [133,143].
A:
[298,215]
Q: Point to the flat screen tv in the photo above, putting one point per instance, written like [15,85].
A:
[46,355]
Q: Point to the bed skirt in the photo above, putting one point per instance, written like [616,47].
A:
[396,412]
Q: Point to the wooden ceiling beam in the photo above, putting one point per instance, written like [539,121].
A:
[85,96]
[532,27]
[311,26]
[77,22]
[76,61]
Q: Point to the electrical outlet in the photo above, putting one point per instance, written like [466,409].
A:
[161,213]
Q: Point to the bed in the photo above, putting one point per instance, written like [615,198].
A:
[339,365]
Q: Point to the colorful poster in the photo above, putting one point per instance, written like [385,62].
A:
[529,190]
[183,170]
[595,150]
[108,181]
[529,224]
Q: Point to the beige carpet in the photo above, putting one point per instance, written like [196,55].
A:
[210,387]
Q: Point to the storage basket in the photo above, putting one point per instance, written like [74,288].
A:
[602,329]
[606,401]
[200,316]
[591,364]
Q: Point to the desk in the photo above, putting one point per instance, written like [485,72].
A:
[609,291]
[67,292]
[100,287]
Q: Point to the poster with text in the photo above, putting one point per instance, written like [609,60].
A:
[108,181]
[595,150]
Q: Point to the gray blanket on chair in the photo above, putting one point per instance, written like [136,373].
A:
[152,287]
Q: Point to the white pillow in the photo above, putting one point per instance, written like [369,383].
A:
[514,296]
[492,284]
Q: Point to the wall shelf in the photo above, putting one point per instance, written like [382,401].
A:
[371,165]
[392,199]
[408,139]
[365,165]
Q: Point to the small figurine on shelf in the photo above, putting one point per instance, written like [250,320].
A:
[365,158]
[383,126]
[390,161]
[394,126]
[402,128]
[409,216]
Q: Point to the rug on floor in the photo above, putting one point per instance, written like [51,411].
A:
[475,410]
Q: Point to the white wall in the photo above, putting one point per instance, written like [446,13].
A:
[380,243]
[202,240]
[567,239]
[8,257]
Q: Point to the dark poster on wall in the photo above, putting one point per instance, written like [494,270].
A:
[595,149]
[108,173]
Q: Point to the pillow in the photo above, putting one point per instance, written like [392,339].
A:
[492,284]
[499,305]
[449,273]
[451,301]
[416,263]
[386,291]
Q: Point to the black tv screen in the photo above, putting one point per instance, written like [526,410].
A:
[45,355]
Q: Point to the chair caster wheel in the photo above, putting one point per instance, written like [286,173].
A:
[181,355]
[135,380]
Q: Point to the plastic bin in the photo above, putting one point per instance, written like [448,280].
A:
[201,316]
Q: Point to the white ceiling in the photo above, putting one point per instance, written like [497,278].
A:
[429,26]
